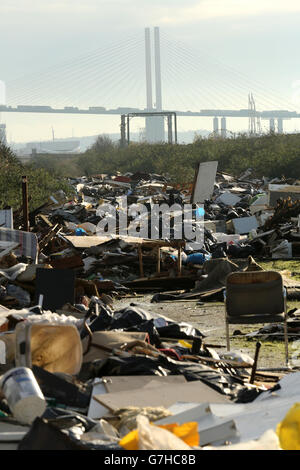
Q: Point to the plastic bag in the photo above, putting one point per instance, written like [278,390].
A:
[166,437]
[198,258]
[21,295]
[129,316]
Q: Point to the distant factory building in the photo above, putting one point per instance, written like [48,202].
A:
[54,146]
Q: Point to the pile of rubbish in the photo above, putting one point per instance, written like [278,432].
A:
[79,373]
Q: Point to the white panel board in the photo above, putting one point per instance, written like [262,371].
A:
[245,224]
[205,181]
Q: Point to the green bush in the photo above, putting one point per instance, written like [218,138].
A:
[269,155]
[41,183]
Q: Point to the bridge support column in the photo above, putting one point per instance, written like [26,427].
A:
[216,125]
[272,125]
[280,125]
[223,127]
[123,131]
[128,130]
[170,137]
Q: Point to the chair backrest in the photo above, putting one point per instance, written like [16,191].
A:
[254,293]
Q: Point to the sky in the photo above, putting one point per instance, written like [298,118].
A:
[213,53]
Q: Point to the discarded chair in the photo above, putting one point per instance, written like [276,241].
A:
[255,297]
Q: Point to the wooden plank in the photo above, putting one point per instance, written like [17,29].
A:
[141,261]
[46,220]
[49,236]
[158,260]
[179,261]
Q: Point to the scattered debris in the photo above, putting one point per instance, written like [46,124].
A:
[78,373]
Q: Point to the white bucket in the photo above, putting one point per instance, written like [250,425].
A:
[23,394]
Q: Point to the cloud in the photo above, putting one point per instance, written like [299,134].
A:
[160,12]
[35,6]
[210,9]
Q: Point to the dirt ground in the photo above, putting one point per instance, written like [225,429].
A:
[210,320]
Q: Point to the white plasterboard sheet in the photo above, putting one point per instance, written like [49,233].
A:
[224,237]
[244,225]
[222,410]
[265,412]
[9,445]
[165,396]
[261,200]
[289,387]
[205,181]
[88,262]
[182,406]
[14,429]
[217,226]
[118,183]
[87,241]
[194,413]
[285,188]
[258,208]
[211,428]
[12,436]
[252,419]
[96,410]
[259,417]
[121,383]
[228,198]
[277,191]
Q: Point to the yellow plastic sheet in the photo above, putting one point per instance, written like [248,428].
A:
[188,432]
[288,431]
[185,344]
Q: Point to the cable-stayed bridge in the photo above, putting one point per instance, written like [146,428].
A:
[135,76]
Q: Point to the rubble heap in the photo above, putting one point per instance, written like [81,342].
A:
[78,373]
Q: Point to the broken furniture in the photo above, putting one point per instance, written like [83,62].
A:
[7,247]
[27,241]
[6,218]
[255,297]
[158,244]
[54,347]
